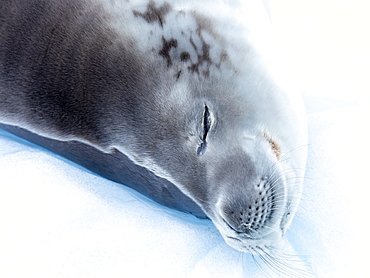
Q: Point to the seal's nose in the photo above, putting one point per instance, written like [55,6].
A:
[248,214]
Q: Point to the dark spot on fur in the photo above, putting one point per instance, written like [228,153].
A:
[223,58]
[203,56]
[178,75]
[201,63]
[165,51]
[184,56]
[153,14]
[193,44]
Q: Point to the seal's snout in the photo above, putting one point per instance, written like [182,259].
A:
[249,214]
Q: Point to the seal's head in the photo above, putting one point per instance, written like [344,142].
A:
[251,182]
[240,159]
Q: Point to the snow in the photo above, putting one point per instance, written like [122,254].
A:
[60,220]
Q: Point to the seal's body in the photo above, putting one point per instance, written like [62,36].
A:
[173,98]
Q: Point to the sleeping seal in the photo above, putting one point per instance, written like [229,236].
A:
[172,98]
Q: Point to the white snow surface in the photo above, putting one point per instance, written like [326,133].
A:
[59,220]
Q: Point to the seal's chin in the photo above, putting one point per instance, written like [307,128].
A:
[267,237]
[256,245]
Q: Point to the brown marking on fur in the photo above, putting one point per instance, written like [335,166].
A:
[274,146]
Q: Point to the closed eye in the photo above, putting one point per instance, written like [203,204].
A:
[206,122]
[206,127]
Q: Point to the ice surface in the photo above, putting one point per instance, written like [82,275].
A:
[60,220]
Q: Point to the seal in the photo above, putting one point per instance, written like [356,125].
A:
[172,98]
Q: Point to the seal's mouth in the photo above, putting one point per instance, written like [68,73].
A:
[261,219]
[246,243]
[269,236]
